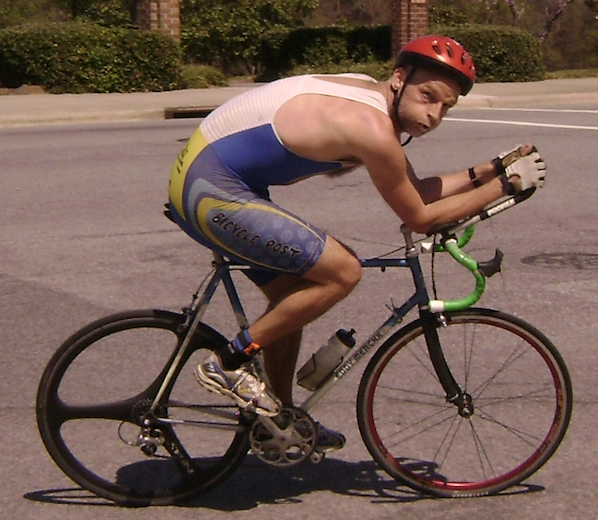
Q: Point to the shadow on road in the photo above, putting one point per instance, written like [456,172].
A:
[255,483]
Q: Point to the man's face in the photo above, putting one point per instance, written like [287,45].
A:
[425,101]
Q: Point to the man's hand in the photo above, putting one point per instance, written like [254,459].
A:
[505,159]
[527,172]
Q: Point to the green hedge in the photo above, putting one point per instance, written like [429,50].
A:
[323,47]
[501,54]
[76,58]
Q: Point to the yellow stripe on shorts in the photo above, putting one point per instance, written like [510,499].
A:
[194,146]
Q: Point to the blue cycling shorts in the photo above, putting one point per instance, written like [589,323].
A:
[212,205]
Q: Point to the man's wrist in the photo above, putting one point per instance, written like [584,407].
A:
[474,180]
[499,167]
[507,187]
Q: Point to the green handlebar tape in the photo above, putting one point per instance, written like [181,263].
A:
[465,260]
[462,241]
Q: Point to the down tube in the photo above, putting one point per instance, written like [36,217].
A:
[359,353]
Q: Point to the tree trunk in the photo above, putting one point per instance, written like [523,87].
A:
[513,8]
[560,8]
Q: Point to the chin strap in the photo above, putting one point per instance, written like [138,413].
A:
[398,95]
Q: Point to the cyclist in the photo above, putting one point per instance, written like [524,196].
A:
[306,125]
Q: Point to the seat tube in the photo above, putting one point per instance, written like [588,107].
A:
[234,299]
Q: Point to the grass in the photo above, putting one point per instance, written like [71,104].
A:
[572,74]
[202,76]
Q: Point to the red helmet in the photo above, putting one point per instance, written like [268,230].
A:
[441,54]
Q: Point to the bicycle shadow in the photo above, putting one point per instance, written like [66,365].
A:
[255,483]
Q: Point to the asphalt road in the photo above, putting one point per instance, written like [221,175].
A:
[82,235]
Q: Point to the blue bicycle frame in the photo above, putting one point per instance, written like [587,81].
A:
[429,310]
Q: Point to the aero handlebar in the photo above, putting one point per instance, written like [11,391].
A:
[480,270]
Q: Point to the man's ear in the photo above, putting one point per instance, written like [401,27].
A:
[399,75]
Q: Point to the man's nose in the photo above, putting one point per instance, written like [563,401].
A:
[435,114]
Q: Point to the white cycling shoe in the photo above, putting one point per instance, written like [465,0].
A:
[243,385]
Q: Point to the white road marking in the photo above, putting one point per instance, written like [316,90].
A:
[519,123]
[567,110]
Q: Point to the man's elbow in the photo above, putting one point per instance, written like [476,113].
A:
[419,225]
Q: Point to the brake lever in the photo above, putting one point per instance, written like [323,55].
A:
[491,267]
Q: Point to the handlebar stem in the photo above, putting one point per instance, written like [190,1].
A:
[410,249]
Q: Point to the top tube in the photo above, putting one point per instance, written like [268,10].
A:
[450,243]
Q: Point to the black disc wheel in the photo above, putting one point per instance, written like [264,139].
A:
[101,423]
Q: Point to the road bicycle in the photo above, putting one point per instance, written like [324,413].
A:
[460,402]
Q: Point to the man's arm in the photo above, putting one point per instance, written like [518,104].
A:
[421,204]
[435,188]
[439,187]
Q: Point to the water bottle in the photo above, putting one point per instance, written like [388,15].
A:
[321,364]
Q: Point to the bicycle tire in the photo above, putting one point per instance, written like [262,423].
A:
[522,398]
[95,392]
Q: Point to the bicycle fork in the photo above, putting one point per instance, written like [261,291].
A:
[430,323]
[454,394]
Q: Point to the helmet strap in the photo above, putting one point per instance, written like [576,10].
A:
[398,96]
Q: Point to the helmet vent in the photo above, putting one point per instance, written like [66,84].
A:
[449,49]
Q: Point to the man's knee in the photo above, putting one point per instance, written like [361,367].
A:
[347,248]
[338,268]
[350,272]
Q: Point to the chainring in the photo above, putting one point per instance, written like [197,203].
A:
[284,440]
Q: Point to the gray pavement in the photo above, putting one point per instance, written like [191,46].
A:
[16,110]
[75,248]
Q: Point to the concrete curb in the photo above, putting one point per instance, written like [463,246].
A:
[21,110]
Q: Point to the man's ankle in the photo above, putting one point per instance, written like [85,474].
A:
[239,351]
[231,358]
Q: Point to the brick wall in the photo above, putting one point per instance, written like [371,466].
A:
[409,20]
[160,15]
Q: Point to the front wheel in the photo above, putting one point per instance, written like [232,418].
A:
[96,416]
[521,395]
